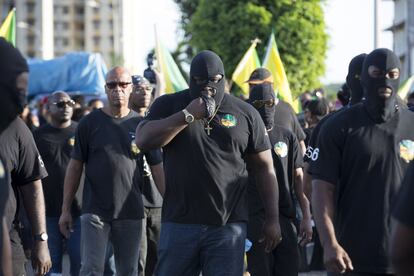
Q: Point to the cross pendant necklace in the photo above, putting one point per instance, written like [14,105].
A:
[208,128]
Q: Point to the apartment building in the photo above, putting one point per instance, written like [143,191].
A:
[50,28]
[403,33]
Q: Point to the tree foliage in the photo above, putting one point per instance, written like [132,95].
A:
[228,26]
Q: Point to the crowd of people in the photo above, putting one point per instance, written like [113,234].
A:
[202,182]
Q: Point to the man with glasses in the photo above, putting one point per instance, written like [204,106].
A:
[284,114]
[112,207]
[207,138]
[364,152]
[140,100]
[287,161]
[55,142]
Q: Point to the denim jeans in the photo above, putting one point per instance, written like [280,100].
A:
[56,244]
[188,249]
[125,236]
[151,226]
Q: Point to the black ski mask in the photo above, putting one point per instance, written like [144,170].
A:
[262,98]
[381,106]
[12,99]
[205,66]
[353,79]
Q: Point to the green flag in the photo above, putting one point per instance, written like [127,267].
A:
[8,29]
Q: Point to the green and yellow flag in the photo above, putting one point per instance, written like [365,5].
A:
[246,66]
[405,87]
[8,28]
[273,63]
[174,80]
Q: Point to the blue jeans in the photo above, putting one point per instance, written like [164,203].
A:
[56,243]
[125,236]
[188,249]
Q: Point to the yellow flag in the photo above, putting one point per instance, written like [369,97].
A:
[8,28]
[405,87]
[273,63]
[246,66]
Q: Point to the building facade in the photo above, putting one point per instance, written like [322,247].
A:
[50,28]
[403,33]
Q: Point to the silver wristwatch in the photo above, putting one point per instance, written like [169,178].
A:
[189,118]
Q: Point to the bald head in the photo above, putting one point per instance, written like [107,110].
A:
[118,71]
[58,95]
[118,87]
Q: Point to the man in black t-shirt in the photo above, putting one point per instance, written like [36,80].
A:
[207,137]
[21,160]
[287,161]
[55,142]
[112,207]
[402,238]
[284,114]
[364,152]
[140,100]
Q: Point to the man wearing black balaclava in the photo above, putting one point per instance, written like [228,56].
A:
[21,161]
[207,137]
[364,152]
[287,161]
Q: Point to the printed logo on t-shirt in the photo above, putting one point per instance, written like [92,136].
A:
[281,149]
[134,148]
[228,120]
[312,153]
[71,141]
[40,161]
[2,171]
[407,150]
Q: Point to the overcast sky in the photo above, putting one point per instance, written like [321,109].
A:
[349,24]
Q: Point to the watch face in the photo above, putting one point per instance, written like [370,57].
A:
[189,118]
[44,237]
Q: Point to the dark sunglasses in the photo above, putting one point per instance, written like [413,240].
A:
[261,103]
[114,84]
[62,104]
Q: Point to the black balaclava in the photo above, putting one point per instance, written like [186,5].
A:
[261,92]
[380,109]
[207,65]
[12,100]
[353,79]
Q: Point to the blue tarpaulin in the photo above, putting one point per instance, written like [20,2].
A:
[79,72]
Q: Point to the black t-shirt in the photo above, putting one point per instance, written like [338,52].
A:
[287,157]
[55,146]
[22,160]
[312,143]
[285,117]
[366,162]
[403,209]
[206,176]
[107,147]
[4,195]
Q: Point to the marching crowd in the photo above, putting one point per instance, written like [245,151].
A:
[202,182]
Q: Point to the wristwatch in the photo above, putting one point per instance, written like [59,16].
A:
[189,118]
[41,237]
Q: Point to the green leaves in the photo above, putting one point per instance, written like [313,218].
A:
[228,26]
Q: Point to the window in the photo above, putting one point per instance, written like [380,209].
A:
[30,7]
[96,24]
[96,40]
[65,42]
[65,9]
[79,10]
[30,40]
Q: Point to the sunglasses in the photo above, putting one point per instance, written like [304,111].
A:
[261,103]
[114,84]
[62,104]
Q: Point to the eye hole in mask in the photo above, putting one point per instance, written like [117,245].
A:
[260,103]
[204,81]
[376,73]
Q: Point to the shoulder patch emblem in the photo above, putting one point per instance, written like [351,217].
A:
[71,141]
[2,171]
[228,121]
[281,149]
[407,150]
